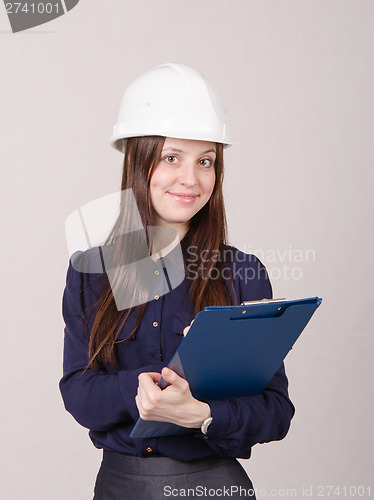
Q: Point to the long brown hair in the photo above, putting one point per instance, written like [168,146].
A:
[207,233]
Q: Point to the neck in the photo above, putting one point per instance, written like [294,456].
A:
[165,238]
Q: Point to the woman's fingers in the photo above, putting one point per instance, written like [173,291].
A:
[174,404]
[185,331]
[154,403]
[177,382]
[149,379]
[147,388]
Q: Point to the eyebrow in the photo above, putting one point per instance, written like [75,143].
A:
[176,150]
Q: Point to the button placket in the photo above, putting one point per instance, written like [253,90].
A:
[158,279]
[156,317]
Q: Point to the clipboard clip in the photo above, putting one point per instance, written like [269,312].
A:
[263,301]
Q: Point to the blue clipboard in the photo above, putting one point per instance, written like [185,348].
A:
[233,351]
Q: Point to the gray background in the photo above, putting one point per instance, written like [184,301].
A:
[297,80]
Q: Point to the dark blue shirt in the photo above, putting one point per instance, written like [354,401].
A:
[104,401]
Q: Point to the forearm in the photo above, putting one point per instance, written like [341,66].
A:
[99,400]
[240,423]
[191,415]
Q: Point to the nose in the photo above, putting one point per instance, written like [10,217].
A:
[187,174]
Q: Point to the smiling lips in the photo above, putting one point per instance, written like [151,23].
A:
[186,198]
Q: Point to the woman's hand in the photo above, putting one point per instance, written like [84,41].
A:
[174,404]
[185,331]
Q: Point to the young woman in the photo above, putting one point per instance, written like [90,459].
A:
[172,132]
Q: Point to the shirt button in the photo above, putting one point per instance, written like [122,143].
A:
[149,449]
[157,272]
[157,297]
[155,324]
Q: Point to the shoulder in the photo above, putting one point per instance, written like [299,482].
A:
[249,274]
[234,255]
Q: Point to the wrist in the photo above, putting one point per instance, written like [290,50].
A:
[200,415]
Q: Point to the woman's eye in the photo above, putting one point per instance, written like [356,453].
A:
[171,159]
[206,162]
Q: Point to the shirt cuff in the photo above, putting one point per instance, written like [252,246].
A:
[220,426]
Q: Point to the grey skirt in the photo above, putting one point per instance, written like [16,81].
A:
[124,477]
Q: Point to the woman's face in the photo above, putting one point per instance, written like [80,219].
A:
[182,182]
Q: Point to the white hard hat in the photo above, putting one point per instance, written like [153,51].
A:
[171,100]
